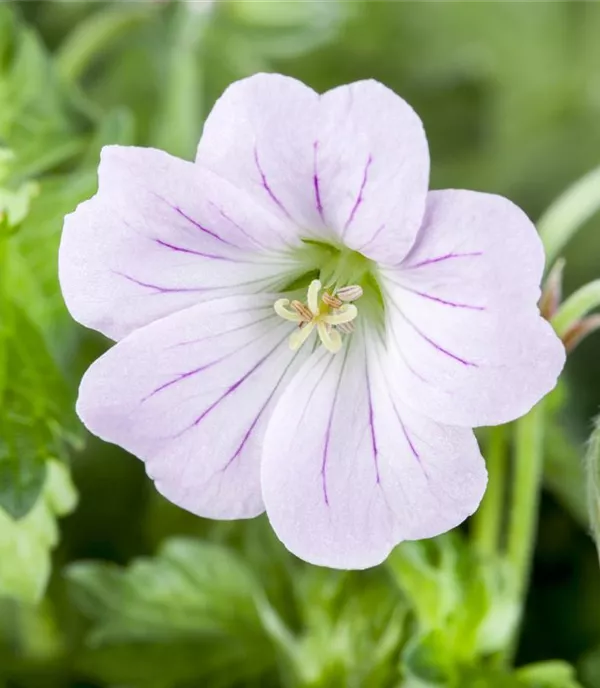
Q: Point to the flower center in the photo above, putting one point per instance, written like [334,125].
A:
[331,315]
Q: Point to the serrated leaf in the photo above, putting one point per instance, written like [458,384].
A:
[37,415]
[25,545]
[193,595]
[467,599]
[190,588]
[352,629]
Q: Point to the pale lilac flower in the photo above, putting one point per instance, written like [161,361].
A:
[236,410]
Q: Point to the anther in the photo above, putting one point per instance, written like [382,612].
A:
[302,310]
[331,301]
[345,328]
[350,293]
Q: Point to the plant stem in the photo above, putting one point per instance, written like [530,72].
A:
[527,482]
[489,518]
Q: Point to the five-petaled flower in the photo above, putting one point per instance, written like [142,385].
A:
[244,380]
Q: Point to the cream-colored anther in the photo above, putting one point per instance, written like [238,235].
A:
[345,328]
[331,301]
[352,292]
[302,310]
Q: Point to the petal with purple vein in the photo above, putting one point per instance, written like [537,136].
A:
[190,395]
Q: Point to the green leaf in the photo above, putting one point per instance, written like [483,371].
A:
[468,599]
[351,632]
[190,588]
[37,120]
[553,674]
[25,544]
[194,594]
[429,660]
[22,476]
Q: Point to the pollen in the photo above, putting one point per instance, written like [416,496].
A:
[330,314]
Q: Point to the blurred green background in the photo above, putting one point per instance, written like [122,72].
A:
[510,96]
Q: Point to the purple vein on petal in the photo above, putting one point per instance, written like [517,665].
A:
[202,228]
[316,182]
[359,198]
[439,259]
[157,288]
[254,423]
[192,221]
[267,188]
[240,229]
[437,299]
[190,251]
[237,384]
[434,344]
[372,239]
[372,425]
[328,431]
[206,366]
[239,328]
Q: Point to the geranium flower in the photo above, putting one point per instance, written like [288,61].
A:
[303,328]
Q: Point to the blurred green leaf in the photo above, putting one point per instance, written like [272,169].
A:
[429,660]
[352,628]
[548,675]
[37,120]
[467,599]
[37,418]
[25,544]
[192,594]
[22,473]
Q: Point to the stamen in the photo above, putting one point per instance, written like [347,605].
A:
[331,301]
[298,337]
[331,338]
[342,315]
[302,311]
[313,296]
[352,292]
[282,311]
[345,328]
[330,318]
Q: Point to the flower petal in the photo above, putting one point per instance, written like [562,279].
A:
[161,235]
[190,395]
[462,313]
[351,165]
[349,470]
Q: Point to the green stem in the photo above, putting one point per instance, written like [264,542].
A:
[488,520]
[527,483]
[5,309]
[576,307]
